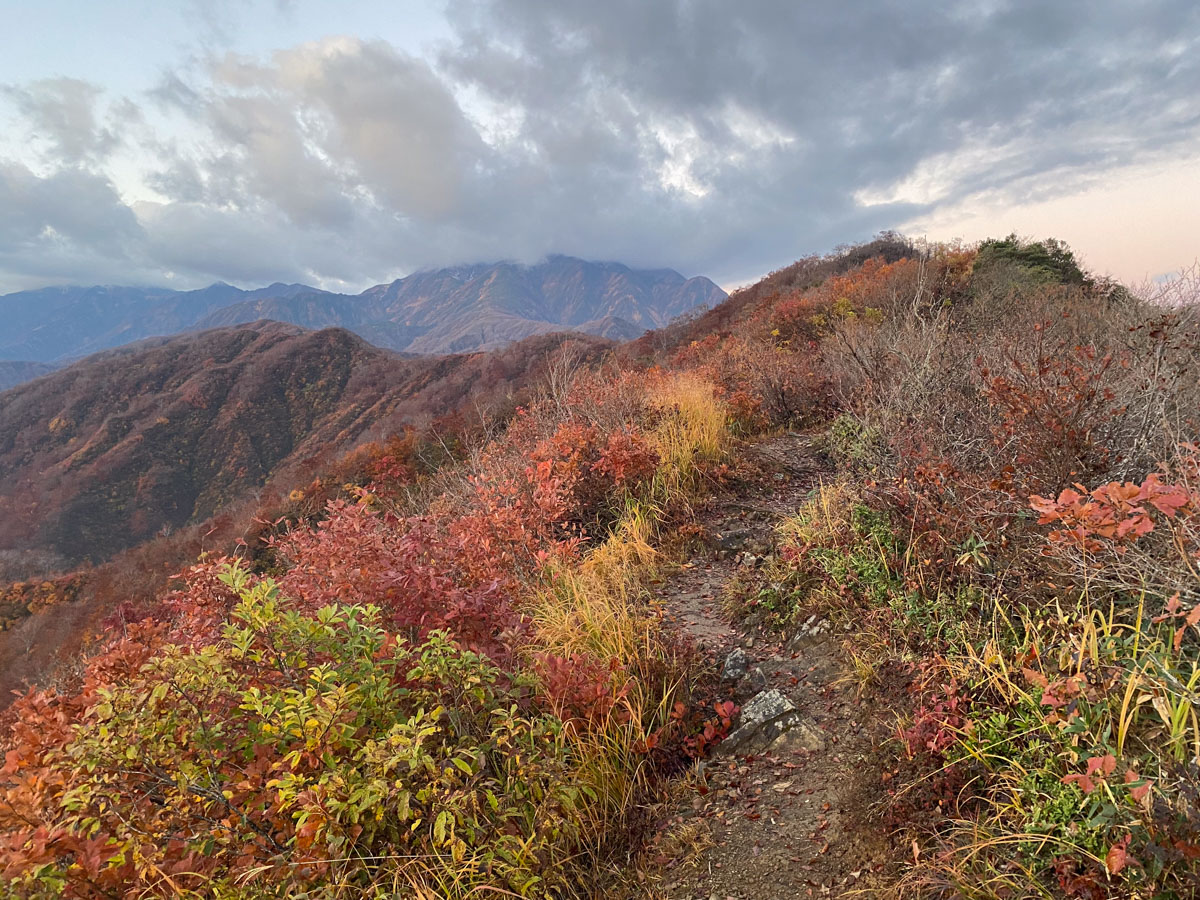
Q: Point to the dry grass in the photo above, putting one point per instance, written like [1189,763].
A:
[598,609]
[691,429]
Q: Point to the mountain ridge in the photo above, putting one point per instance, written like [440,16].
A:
[462,308]
[167,431]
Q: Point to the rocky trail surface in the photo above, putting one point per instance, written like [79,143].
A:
[787,806]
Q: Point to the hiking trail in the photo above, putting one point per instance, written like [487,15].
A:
[787,815]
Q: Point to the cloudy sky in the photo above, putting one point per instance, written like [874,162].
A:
[344,143]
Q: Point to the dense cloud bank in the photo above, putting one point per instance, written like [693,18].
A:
[687,133]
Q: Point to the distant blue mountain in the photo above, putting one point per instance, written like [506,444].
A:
[58,324]
[450,310]
[17,372]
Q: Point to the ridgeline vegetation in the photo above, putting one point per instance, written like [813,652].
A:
[434,667]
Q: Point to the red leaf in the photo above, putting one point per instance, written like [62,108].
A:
[1035,677]
[1085,782]
[1139,524]
[1106,764]
[1117,858]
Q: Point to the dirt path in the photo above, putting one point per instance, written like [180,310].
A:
[793,819]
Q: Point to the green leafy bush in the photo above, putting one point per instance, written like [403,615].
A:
[312,749]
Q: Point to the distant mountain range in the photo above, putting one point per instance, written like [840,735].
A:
[450,310]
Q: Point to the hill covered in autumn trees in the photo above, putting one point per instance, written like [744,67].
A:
[132,443]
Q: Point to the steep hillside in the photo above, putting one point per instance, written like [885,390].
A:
[110,451]
[757,300]
[439,311]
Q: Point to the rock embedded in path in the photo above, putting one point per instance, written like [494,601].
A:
[771,720]
[736,664]
[751,681]
[734,541]
[812,627]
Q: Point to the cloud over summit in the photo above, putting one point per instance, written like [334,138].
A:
[685,133]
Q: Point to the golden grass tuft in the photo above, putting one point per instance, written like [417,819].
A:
[691,429]
[595,608]
[823,518]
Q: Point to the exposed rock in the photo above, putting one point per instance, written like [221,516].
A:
[753,681]
[735,541]
[802,735]
[812,627]
[736,664]
[769,720]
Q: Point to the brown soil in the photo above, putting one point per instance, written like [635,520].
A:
[790,822]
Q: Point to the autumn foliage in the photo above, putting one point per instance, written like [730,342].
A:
[1014,534]
[434,670]
[23,598]
[411,704]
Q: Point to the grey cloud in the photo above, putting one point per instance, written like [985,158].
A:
[868,91]
[68,226]
[71,205]
[692,133]
[63,113]
[391,120]
[324,126]
[234,245]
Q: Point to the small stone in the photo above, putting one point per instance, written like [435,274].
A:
[811,628]
[767,718]
[736,664]
[801,736]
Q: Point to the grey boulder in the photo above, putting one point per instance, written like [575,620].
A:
[771,720]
